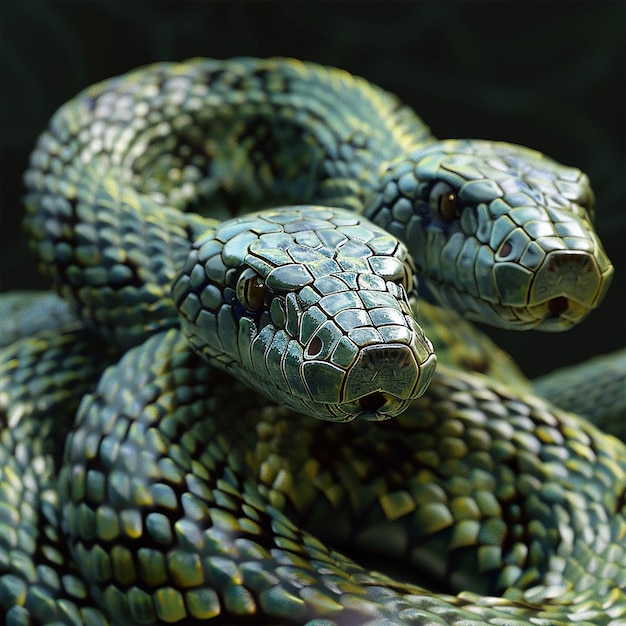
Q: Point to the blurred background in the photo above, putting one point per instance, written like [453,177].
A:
[549,75]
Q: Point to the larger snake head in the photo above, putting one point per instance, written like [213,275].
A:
[308,305]
[502,233]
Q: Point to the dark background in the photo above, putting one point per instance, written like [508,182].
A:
[547,75]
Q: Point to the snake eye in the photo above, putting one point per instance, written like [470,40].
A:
[250,290]
[443,202]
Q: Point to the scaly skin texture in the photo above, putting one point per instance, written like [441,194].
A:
[185,497]
[594,388]
[501,232]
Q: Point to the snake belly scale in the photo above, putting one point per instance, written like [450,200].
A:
[183,496]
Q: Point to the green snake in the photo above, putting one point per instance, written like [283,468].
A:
[184,496]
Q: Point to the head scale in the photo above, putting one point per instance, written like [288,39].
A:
[309,305]
[502,233]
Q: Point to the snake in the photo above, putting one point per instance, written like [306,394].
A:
[241,245]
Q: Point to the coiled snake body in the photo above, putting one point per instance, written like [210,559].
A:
[182,496]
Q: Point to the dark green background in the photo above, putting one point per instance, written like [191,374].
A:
[547,75]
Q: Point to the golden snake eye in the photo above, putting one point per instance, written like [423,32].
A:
[251,290]
[443,202]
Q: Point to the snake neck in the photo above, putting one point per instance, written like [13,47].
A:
[229,137]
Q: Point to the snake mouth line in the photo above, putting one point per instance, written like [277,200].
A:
[554,314]
[378,406]
[373,402]
[558,313]
[372,407]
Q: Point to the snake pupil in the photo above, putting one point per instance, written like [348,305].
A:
[251,290]
[447,206]
[443,201]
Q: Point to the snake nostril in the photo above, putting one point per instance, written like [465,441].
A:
[373,402]
[557,306]
[506,249]
[315,347]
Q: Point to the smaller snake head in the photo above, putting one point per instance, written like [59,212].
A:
[502,233]
[310,306]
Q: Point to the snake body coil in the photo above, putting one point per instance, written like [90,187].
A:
[182,496]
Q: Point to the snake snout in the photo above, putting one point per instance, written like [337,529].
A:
[385,378]
[567,286]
